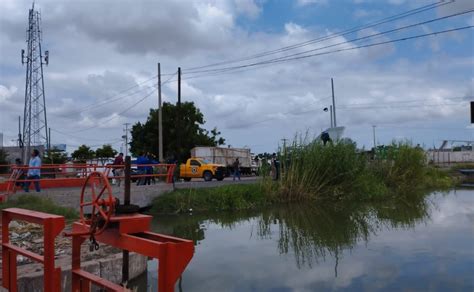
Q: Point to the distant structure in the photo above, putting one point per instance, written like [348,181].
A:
[35,125]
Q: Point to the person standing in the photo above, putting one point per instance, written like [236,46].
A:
[236,167]
[34,171]
[118,168]
[142,161]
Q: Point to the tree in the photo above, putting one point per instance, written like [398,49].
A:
[55,156]
[3,160]
[83,153]
[104,153]
[191,133]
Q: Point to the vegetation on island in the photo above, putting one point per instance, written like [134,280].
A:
[313,171]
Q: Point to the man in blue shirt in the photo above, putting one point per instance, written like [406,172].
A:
[34,171]
[142,160]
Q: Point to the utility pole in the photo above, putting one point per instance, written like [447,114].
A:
[49,145]
[160,118]
[373,129]
[126,138]
[330,112]
[178,118]
[333,103]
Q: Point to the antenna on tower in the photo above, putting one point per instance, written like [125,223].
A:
[35,125]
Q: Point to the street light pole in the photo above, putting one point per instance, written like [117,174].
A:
[373,129]
[160,118]
[330,112]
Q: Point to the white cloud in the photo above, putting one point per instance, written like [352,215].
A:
[310,2]
[247,7]
[98,50]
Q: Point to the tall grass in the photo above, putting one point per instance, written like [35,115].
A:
[313,170]
[339,171]
[309,171]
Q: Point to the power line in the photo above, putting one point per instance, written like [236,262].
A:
[73,136]
[331,36]
[120,113]
[294,56]
[352,107]
[342,50]
[117,94]
[129,108]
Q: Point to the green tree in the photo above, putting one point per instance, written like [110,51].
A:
[83,153]
[3,160]
[189,126]
[55,156]
[104,153]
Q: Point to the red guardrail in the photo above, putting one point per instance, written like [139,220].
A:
[52,226]
[74,175]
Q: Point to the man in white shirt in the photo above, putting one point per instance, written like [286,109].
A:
[34,171]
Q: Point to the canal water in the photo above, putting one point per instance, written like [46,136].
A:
[422,244]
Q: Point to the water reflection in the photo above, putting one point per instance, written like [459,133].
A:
[321,246]
[309,231]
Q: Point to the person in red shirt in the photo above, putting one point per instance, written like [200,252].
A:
[118,168]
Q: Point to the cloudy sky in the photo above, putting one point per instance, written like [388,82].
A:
[104,54]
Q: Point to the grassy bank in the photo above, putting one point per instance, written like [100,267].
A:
[312,171]
[225,198]
[39,204]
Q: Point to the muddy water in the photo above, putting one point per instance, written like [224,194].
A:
[422,244]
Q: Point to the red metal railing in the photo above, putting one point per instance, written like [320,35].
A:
[52,226]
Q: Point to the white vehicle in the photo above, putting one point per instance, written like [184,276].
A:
[225,156]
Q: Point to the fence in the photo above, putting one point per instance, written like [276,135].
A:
[74,175]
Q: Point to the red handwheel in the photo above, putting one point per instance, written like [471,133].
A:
[96,198]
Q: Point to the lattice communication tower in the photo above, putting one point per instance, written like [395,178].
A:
[35,125]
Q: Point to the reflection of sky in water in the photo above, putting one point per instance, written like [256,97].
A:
[436,255]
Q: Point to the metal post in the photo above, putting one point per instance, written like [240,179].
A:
[126,139]
[178,118]
[333,103]
[49,145]
[330,112]
[126,201]
[160,118]
[373,128]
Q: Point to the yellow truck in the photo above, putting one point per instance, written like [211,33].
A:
[200,168]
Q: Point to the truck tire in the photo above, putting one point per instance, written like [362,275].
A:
[187,179]
[207,176]
[220,178]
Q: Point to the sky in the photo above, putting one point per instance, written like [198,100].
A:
[104,55]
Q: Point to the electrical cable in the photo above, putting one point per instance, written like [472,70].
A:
[339,50]
[331,36]
[129,108]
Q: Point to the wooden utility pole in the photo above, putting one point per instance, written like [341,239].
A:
[178,118]
[373,129]
[330,112]
[333,103]
[126,202]
[160,118]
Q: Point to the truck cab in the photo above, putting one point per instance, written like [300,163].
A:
[200,168]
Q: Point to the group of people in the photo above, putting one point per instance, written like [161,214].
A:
[144,168]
